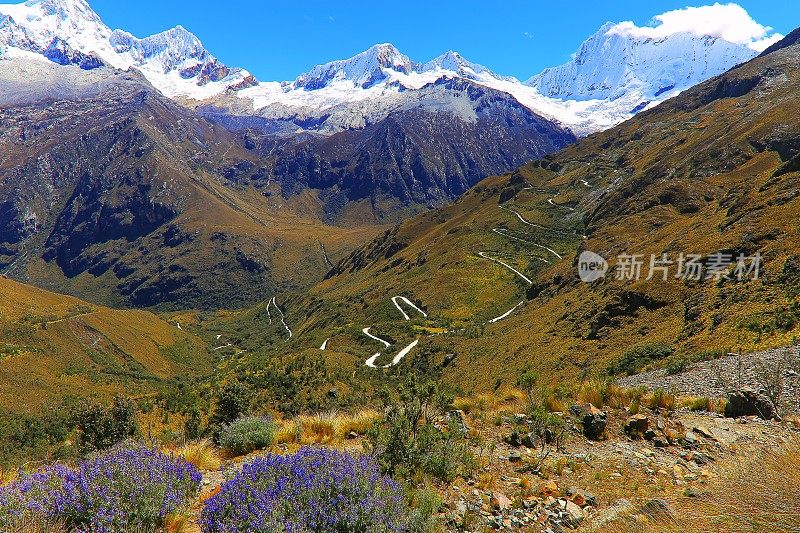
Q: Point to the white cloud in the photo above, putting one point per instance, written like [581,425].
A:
[727,21]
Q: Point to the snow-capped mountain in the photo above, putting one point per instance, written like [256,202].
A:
[364,70]
[613,64]
[70,32]
[620,70]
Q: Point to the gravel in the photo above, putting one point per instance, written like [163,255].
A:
[717,377]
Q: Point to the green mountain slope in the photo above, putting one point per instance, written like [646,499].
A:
[713,170]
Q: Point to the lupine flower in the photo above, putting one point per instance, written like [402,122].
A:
[312,491]
[126,488]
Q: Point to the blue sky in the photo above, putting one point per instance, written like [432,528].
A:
[277,40]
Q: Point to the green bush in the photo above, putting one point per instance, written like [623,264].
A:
[104,426]
[247,435]
[638,358]
[407,442]
[233,402]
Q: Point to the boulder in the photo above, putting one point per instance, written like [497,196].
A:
[747,402]
[657,509]
[593,420]
[548,488]
[636,426]
[458,419]
[575,514]
[529,440]
[704,431]
[500,501]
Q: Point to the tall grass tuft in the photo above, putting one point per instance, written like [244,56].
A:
[201,454]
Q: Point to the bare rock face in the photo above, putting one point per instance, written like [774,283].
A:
[747,402]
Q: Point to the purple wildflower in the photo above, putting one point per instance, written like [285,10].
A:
[312,491]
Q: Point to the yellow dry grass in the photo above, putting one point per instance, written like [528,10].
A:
[757,495]
[201,454]
[327,428]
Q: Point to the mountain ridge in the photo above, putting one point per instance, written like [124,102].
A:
[178,65]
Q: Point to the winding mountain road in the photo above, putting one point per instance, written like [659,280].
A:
[283,318]
[409,303]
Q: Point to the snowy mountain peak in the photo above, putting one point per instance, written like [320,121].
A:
[452,61]
[69,32]
[364,70]
[65,9]
[456,63]
[677,50]
[612,64]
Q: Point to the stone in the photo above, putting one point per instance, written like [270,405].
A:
[594,423]
[520,418]
[529,440]
[575,514]
[549,488]
[704,432]
[636,426]
[747,402]
[690,438]
[514,457]
[649,434]
[657,509]
[500,501]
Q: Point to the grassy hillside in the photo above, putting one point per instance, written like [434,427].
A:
[713,170]
[54,346]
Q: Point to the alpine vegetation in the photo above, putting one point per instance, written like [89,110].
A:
[128,488]
[314,490]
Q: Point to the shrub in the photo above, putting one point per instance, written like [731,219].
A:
[128,488]
[661,400]
[233,402]
[102,427]
[314,491]
[247,435]
[636,359]
[407,441]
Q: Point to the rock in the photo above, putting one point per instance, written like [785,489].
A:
[529,440]
[657,509]
[690,439]
[581,497]
[520,418]
[500,501]
[548,488]
[514,457]
[747,402]
[575,514]
[659,442]
[606,516]
[703,431]
[649,434]
[594,423]
[636,426]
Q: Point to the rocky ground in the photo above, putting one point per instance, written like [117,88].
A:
[614,469]
[778,368]
[642,463]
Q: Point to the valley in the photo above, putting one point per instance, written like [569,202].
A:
[393,295]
